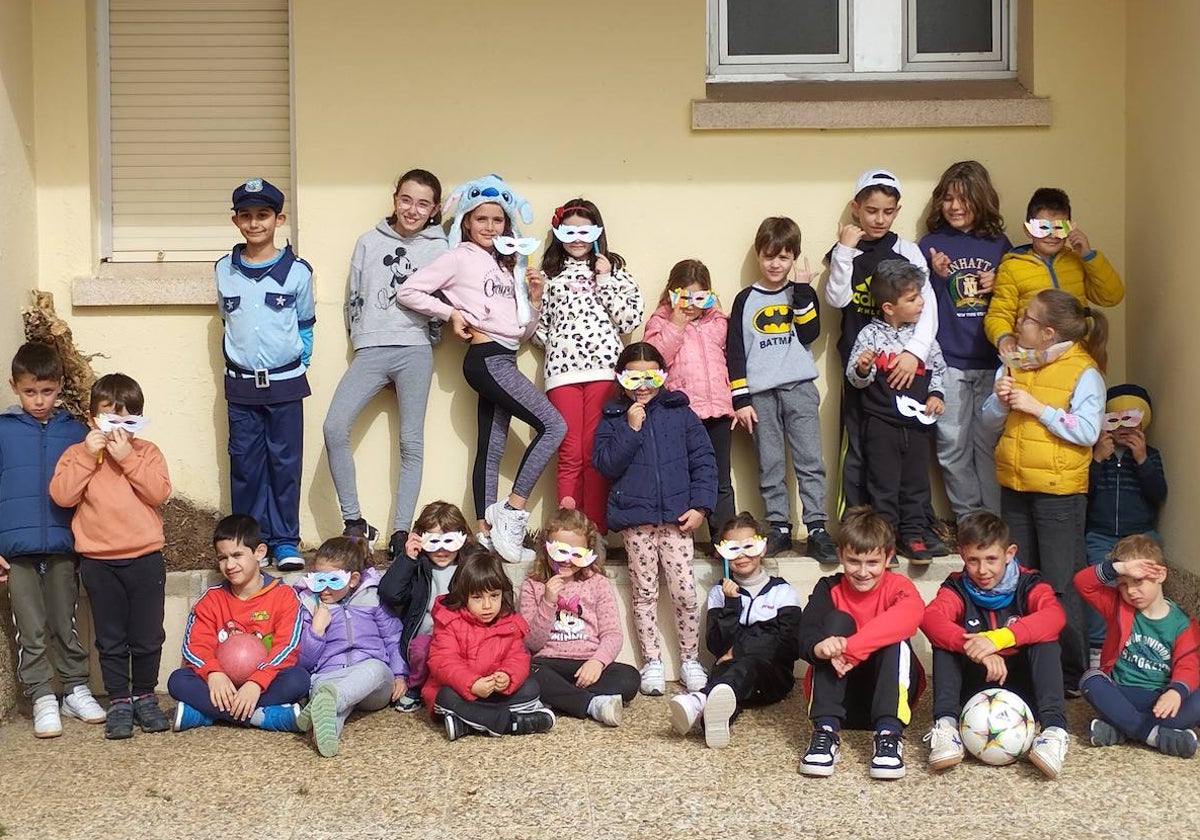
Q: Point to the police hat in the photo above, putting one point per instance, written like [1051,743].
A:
[257,193]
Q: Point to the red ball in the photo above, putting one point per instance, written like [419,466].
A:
[240,655]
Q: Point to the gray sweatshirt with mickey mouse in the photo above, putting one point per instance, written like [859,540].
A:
[382,261]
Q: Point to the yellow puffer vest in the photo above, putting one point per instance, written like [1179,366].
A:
[1029,458]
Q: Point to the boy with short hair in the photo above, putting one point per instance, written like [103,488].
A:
[995,623]
[855,633]
[896,420]
[116,482]
[772,376]
[1060,256]
[37,551]
[1146,687]
[266,302]
[861,246]
[247,601]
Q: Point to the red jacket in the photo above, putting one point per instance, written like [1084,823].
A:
[889,613]
[464,649]
[1118,620]
[1039,619]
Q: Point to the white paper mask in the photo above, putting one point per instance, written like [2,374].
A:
[131,423]
[577,233]
[523,245]
[908,407]
[448,541]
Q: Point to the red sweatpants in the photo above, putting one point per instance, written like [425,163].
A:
[580,405]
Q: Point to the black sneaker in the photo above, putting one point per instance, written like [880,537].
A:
[360,528]
[118,724]
[916,551]
[820,546]
[935,546]
[779,540]
[148,715]
[529,723]
[1180,743]
[455,726]
[824,749]
[888,760]
[396,544]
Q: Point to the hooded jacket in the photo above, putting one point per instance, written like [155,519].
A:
[361,629]
[404,589]
[695,357]
[464,649]
[30,521]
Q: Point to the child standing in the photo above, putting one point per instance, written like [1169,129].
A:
[897,420]
[494,310]
[965,243]
[413,582]
[772,377]
[350,643]
[862,245]
[116,482]
[267,308]
[392,344]
[855,633]
[37,552]
[995,623]
[574,626]
[656,453]
[1059,256]
[590,301]
[1146,687]
[478,665]
[1050,414]
[247,601]
[753,633]
[689,329]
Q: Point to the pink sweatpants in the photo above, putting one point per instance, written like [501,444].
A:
[580,405]
[647,548]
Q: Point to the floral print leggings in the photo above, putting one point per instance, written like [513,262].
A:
[648,547]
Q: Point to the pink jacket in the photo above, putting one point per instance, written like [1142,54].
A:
[695,357]
[476,285]
[584,624]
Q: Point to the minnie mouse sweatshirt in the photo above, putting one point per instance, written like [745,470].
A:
[583,624]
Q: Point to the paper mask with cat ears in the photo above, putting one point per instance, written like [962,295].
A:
[132,423]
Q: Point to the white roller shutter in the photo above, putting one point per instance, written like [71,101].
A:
[199,101]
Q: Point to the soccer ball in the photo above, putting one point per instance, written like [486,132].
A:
[996,726]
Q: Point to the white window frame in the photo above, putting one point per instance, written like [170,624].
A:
[876,47]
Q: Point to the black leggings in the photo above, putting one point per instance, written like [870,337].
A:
[559,692]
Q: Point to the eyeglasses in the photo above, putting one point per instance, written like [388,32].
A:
[335,580]
[631,380]
[1026,318]
[422,206]
[1041,228]
[567,234]
[733,549]
[515,245]
[561,553]
[130,422]
[701,299]
[448,541]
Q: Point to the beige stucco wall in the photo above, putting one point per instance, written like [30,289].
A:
[1163,96]
[18,188]
[602,108]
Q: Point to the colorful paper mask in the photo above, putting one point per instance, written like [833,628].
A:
[733,549]
[908,407]
[1130,418]
[631,380]
[561,553]
[448,541]
[335,580]
[523,245]
[567,234]
[701,299]
[131,423]
[1041,228]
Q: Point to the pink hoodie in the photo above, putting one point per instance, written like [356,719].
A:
[477,286]
[695,357]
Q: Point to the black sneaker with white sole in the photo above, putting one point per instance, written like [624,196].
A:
[456,727]
[824,750]
[532,723]
[888,759]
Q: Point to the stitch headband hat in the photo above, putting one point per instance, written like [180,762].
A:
[484,190]
[1127,396]
[877,178]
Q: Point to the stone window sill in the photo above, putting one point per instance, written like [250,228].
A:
[147,284]
[859,105]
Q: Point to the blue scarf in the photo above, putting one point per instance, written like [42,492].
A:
[1000,595]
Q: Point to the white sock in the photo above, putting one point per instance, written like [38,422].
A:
[946,720]
[1152,738]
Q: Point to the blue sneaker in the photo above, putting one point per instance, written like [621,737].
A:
[188,718]
[287,558]
[278,718]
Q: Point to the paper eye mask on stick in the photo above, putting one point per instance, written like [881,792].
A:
[567,234]
[561,553]
[130,423]
[522,245]
[631,380]
[733,549]
[336,580]
[701,299]
[1041,228]
[1130,418]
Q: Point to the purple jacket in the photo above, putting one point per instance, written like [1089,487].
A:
[362,629]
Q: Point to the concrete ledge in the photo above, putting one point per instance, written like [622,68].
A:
[147,284]
[857,105]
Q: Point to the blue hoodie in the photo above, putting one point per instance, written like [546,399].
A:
[30,522]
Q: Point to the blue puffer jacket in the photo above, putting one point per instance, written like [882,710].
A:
[30,523]
[362,628]
[659,472]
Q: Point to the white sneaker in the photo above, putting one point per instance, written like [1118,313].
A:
[46,722]
[607,709]
[717,711]
[508,531]
[945,745]
[654,681]
[686,710]
[484,540]
[1049,750]
[692,675]
[82,705]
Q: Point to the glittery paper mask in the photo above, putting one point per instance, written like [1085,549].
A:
[1130,418]
[1041,228]
[631,380]
[701,299]
[733,549]
[560,554]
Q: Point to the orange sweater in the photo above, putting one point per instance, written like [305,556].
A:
[116,502]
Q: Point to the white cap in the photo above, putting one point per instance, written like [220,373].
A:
[877,178]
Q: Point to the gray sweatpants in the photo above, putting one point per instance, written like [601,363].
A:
[366,685]
[410,369]
[790,415]
[965,450]
[44,591]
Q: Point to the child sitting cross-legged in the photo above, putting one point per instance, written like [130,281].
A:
[995,623]
[752,630]
[1145,689]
